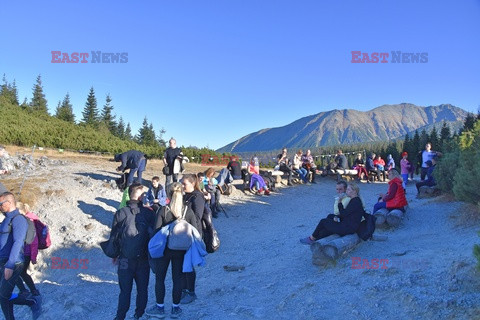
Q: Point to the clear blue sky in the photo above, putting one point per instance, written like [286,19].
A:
[210,72]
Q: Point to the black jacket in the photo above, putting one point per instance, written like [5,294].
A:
[134,225]
[195,201]
[165,216]
[351,216]
[130,159]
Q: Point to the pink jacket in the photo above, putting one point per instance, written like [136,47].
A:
[32,249]
[404,166]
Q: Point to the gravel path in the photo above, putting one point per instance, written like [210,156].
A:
[430,274]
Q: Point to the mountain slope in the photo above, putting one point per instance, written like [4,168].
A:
[347,126]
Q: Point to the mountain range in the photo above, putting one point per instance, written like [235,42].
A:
[349,126]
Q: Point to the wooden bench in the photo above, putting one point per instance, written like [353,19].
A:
[428,192]
[389,218]
[346,174]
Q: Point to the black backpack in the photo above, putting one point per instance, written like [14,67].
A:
[31,231]
[367,227]
[122,182]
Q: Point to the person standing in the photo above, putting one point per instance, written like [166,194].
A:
[133,226]
[171,156]
[13,231]
[427,154]
[133,160]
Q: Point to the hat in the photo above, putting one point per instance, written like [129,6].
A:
[405,153]
[429,163]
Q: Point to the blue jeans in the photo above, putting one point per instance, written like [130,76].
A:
[303,174]
[405,179]
[6,289]
[139,171]
[379,205]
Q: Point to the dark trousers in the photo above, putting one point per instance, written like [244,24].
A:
[313,171]
[286,169]
[423,173]
[25,277]
[160,267]
[136,269]
[139,171]
[375,172]
[327,227]
[189,279]
[6,290]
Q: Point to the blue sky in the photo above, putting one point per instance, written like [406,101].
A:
[210,72]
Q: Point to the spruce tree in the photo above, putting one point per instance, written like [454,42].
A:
[65,110]
[128,132]
[25,104]
[107,117]
[444,137]
[146,134]
[469,122]
[120,132]
[90,112]
[39,103]
[433,138]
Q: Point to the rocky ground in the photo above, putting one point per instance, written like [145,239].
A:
[430,272]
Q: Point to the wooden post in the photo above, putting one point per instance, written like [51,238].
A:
[394,218]
[381,216]
[338,247]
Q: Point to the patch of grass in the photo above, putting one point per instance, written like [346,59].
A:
[31,191]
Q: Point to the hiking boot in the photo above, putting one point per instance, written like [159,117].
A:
[176,312]
[189,298]
[156,312]
[307,241]
[137,317]
[267,192]
[36,307]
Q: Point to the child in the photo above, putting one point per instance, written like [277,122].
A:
[405,168]
[156,195]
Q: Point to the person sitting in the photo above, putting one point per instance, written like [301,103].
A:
[297,166]
[341,160]
[347,221]
[255,179]
[430,181]
[395,196]
[224,177]
[235,168]
[405,167]
[379,163]
[371,169]
[156,195]
[284,165]
[360,167]
[309,164]
[390,162]
[210,186]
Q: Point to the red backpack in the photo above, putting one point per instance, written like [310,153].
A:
[43,234]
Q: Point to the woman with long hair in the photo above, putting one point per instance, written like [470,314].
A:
[166,215]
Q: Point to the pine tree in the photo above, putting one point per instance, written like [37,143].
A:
[9,91]
[146,134]
[39,103]
[25,104]
[120,132]
[90,112]
[161,141]
[107,117]
[65,110]
[444,137]
[128,132]
[433,138]
[469,122]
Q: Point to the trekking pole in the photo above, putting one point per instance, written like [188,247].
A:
[26,170]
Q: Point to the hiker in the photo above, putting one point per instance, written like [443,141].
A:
[166,215]
[235,168]
[427,154]
[210,186]
[360,167]
[29,255]
[379,163]
[284,165]
[395,196]
[13,232]
[341,160]
[371,168]
[224,177]
[390,162]
[172,158]
[133,225]
[405,167]
[430,181]
[297,166]
[156,195]
[256,180]
[309,164]
[347,221]
[133,160]
[194,199]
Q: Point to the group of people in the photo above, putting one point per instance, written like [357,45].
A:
[303,164]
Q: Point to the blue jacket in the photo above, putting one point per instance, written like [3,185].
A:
[195,255]
[12,241]
[161,196]
[369,164]
[130,159]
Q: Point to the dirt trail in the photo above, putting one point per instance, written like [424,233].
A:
[430,274]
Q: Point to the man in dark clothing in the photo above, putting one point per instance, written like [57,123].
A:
[284,163]
[341,160]
[172,153]
[133,225]
[235,168]
[133,160]
[13,231]
[371,167]
[430,182]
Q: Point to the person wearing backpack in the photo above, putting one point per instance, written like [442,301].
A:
[30,255]
[175,210]
[133,226]
[13,232]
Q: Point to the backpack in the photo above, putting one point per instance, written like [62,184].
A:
[226,189]
[43,234]
[31,233]
[180,237]
[367,227]
[122,182]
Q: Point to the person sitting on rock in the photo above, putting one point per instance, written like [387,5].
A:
[430,181]
[347,221]
[297,166]
[395,196]
[370,166]
[379,163]
[256,179]
[235,168]
[284,165]
[309,164]
[360,167]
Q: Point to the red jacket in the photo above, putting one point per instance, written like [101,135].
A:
[398,200]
